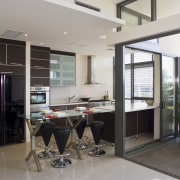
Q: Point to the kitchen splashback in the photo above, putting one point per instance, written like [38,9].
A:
[61,94]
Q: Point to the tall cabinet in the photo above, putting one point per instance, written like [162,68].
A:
[40,64]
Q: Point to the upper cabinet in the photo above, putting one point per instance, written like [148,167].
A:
[15,54]
[40,66]
[62,69]
[12,56]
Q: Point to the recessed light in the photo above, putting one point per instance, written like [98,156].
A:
[41,43]
[25,34]
[72,44]
[102,37]
[65,33]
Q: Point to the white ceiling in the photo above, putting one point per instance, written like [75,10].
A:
[45,22]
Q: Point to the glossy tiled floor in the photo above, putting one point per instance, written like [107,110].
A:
[14,167]
[134,142]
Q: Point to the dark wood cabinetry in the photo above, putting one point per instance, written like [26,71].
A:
[2,53]
[12,56]
[15,54]
[137,122]
[131,123]
[40,62]
[108,119]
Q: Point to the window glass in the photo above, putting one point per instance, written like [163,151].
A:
[139,75]
[127,58]
[142,57]
[131,20]
[128,81]
[143,81]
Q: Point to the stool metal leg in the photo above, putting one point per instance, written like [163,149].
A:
[61,135]
[81,145]
[62,162]
[96,152]
[46,154]
[97,128]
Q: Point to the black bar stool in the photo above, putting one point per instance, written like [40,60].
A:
[61,135]
[80,130]
[97,128]
[46,131]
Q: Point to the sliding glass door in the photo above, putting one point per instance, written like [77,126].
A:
[167,96]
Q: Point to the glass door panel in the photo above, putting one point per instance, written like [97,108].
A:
[168,94]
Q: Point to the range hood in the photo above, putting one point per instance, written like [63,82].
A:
[91,67]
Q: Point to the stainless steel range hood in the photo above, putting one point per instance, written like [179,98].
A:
[91,67]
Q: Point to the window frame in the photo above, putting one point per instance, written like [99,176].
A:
[131,66]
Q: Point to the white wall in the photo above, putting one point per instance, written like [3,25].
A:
[103,76]
[170,44]
[167,8]
[59,95]
[81,69]
[141,6]
[106,6]
[104,70]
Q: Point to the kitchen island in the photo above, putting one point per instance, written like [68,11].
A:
[140,119]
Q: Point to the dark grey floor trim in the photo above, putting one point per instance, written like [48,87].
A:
[146,148]
[150,167]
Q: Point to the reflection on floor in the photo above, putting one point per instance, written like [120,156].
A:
[14,167]
[137,141]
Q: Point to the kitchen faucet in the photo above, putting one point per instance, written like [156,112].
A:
[70,98]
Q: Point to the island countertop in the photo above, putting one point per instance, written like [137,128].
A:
[129,107]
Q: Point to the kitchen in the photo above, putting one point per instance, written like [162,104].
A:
[87,69]
[61,94]
[104,59]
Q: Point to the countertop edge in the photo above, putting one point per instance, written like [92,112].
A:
[66,104]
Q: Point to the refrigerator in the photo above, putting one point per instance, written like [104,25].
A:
[11,107]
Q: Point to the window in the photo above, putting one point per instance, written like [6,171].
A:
[134,12]
[139,75]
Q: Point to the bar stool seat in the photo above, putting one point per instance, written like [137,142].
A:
[61,135]
[46,131]
[97,128]
[80,130]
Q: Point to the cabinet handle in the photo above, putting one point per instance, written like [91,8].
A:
[37,66]
[6,72]
[16,64]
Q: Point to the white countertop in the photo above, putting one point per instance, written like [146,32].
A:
[129,107]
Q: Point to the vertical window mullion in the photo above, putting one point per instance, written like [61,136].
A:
[132,77]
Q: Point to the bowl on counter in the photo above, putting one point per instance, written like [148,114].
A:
[85,99]
[149,102]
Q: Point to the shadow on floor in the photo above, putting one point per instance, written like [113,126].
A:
[164,158]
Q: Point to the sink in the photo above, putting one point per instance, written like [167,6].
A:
[98,100]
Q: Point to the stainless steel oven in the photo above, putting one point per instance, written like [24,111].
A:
[39,98]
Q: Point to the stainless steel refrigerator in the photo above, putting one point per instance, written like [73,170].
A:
[11,106]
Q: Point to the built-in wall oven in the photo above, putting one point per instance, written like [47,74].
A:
[39,98]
